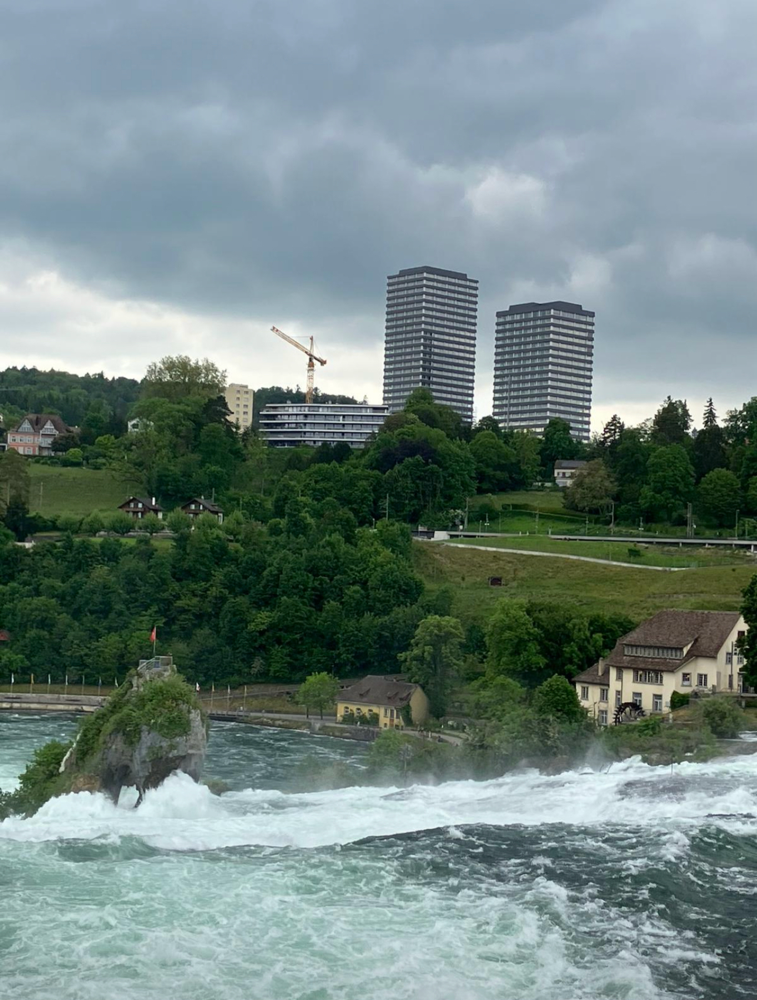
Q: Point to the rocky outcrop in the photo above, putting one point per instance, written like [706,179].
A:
[153,725]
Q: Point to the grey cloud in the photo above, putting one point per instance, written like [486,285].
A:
[280,157]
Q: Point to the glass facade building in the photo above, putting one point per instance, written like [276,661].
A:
[430,337]
[543,360]
[287,425]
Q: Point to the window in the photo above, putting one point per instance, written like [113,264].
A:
[702,680]
[619,674]
[686,680]
[618,699]
[636,698]
[656,702]
[603,693]
[647,676]
[603,718]
[584,693]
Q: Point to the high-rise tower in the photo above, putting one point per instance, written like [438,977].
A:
[431,337]
[543,356]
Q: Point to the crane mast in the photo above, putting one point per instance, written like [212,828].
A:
[312,358]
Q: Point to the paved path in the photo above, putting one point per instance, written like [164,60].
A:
[563,555]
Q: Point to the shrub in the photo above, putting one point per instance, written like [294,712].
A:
[722,715]
[679,700]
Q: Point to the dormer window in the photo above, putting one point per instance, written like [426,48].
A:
[655,652]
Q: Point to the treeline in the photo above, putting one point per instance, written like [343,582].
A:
[96,404]
[654,471]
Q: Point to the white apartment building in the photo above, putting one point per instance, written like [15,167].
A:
[287,425]
[543,359]
[239,400]
[685,651]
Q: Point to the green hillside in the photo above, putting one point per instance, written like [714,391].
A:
[56,490]
[591,586]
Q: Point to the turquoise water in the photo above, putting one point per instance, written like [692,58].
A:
[633,884]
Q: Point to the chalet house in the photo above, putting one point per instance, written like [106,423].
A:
[567,470]
[36,433]
[386,698]
[139,507]
[685,651]
[199,505]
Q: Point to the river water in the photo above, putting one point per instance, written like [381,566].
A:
[632,883]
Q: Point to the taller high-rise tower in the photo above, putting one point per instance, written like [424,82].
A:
[431,337]
[543,358]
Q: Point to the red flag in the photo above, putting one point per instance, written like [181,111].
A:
[154,633]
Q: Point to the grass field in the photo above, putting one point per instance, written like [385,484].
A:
[651,555]
[635,592]
[546,500]
[56,490]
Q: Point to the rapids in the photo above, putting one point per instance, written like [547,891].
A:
[629,882]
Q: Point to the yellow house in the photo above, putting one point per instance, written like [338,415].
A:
[385,697]
[685,651]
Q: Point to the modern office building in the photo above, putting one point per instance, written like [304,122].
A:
[239,400]
[543,355]
[287,425]
[431,337]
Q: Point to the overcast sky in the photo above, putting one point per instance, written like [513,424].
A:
[177,175]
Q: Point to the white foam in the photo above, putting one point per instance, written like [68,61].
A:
[184,816]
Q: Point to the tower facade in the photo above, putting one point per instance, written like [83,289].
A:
[543,362]
[430,339]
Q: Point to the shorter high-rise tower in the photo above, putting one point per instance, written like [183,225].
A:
[431,337]
[543,359]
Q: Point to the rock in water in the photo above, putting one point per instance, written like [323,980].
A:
[151,726]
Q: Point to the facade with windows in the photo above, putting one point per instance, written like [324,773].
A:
[239,399]
[430,338]
[287,425]
[685,651]
[36,434]
[543,360]
[383,702]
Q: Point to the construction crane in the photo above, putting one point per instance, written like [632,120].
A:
[312,358]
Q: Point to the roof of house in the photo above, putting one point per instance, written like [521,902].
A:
[39,420]
[591,676]
[570,463]
[376,690]
[704,632]
[209,506]
[145,501]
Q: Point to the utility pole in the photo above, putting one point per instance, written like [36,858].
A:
[737,523]
[689,531]
[536,531]
[612,521]
[386,506]
[467,509]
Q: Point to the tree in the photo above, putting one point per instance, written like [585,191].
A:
[177,521]
[16,518]
[709,444]
[628,463]
[670,482]
[494,461]
[719,496]
[119,522]
[177,377]
[513,644]
[671,422]
[558,444]
[611,433]
[93,523]
[69,523]
[318,691]
[748,642]
[592,489]
[14,478]
[557,698]
[435,659]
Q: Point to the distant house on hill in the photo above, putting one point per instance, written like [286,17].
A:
[199,505]
[36,433]
[139,507]
[684,651]
[384,697]
[566,470]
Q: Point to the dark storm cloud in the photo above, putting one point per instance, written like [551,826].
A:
[256,158]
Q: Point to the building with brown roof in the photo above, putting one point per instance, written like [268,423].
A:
[387,698]
[36,433]
[685,651]
[139,507]
[199,505]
